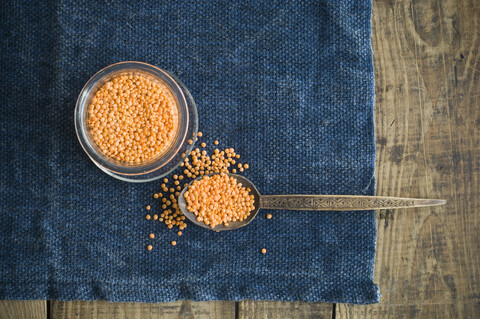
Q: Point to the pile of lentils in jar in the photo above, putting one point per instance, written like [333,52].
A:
[133,119]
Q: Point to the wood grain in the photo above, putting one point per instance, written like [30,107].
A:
[17,309]
[427,70]
[249,309]
[134,310]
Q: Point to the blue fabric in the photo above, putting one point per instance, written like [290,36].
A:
[289,85]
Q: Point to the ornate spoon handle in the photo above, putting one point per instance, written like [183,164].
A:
[342,202]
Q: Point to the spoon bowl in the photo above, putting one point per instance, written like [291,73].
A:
[231,225]
[307,202]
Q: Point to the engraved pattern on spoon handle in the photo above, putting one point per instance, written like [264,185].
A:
[342,202]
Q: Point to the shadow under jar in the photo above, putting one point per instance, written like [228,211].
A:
[171,155]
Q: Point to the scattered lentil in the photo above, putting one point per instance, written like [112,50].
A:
[216,142]
[174,243]
[199,134]
[269,216]
[199,163]
[148,207]
[151,236]
[149,247]
[264,251]
[148,217]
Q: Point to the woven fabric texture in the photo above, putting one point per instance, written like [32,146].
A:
[288,84]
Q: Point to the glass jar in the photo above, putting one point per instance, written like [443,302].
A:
[172,156]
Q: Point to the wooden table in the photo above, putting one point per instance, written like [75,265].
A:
[427,71]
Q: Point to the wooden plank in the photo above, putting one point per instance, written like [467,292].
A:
[427,64]
[288,310]
[19,309]
[134,310]
[439,310]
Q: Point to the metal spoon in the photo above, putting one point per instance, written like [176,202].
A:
[308,202]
